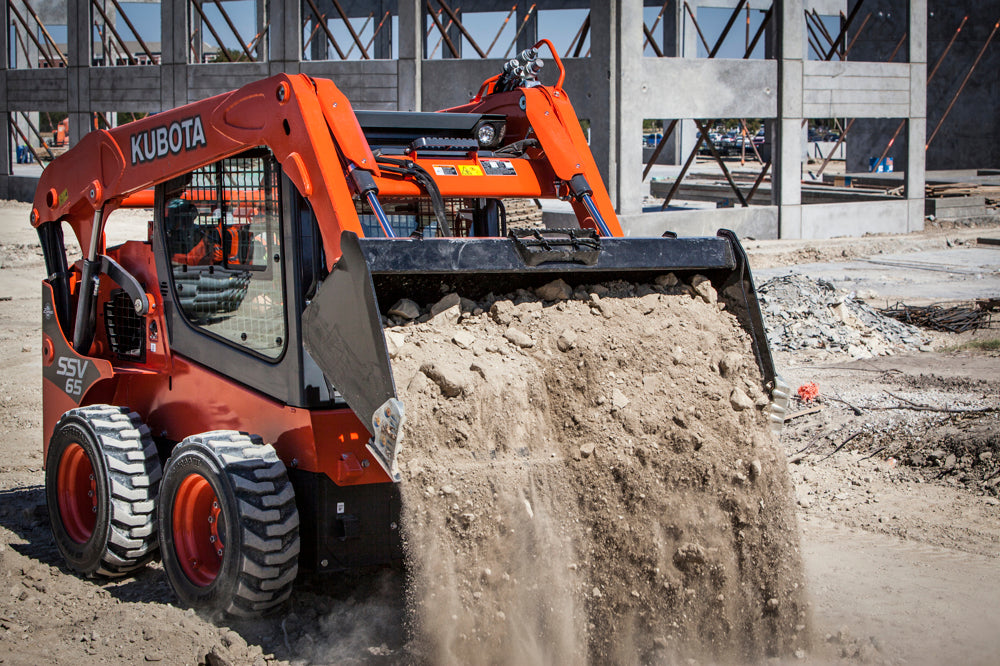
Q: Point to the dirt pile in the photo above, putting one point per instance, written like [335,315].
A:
[588,475]
[803,313]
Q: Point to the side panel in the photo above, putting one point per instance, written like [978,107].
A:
[195,399]
[67,377]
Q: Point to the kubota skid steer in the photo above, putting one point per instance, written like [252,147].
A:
[220,393]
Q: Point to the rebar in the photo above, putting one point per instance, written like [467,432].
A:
[954,319]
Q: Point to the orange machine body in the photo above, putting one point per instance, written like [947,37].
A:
[311,130]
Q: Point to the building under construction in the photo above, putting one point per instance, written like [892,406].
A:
[792,119]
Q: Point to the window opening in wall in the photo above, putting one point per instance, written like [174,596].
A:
[124,33]
[853,159]
[222,230]
[713,163]
[341,31]
[736,32]
[37,36]
[722,32]
[865,31]
[452,33]
[230,31]
[37,138]
[567,29]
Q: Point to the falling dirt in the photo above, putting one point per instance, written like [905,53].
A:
[592,478]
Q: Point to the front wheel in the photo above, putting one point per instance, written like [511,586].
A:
[101,479]
[228,526]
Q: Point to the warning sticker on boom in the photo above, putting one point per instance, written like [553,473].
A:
[499,168]
[445,170]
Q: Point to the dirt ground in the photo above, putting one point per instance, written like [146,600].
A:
[895,477]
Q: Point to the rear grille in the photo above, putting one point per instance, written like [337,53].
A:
[126,329]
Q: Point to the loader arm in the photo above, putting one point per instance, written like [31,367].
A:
[308,124]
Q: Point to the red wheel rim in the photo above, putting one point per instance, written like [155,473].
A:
[77,491]
[197,531]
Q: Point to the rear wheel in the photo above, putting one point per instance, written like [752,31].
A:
[228,526]
[101,478]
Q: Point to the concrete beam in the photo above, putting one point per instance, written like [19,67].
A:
[856,219]
[214,78]
[125,89]
[855,90]
[759,222]
[368,84]
[702,88]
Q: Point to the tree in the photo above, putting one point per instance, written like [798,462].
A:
[230,55]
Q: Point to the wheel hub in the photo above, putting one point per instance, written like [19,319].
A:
[198,529]
[77,492]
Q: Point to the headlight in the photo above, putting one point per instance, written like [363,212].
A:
[490,134]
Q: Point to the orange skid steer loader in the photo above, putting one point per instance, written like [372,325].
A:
[220,395]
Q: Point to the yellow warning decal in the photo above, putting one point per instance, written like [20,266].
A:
[470,170]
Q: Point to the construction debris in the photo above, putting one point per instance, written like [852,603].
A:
[803,313]
[953,319]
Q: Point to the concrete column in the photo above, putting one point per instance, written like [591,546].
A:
[6,148]
[787,172]
[529,36]
[670,25]
[78,79]
[672,47]
[602,86]
[628,106]
[382,47]
[454,34]
[687,133]
[284,37]
[916,125]
[263,14]
[198,45]
[173,53]
[411,52]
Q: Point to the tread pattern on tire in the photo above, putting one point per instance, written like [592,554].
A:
[134,473]
[268,518]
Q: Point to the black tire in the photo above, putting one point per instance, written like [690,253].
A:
[102,474]
[234,485]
